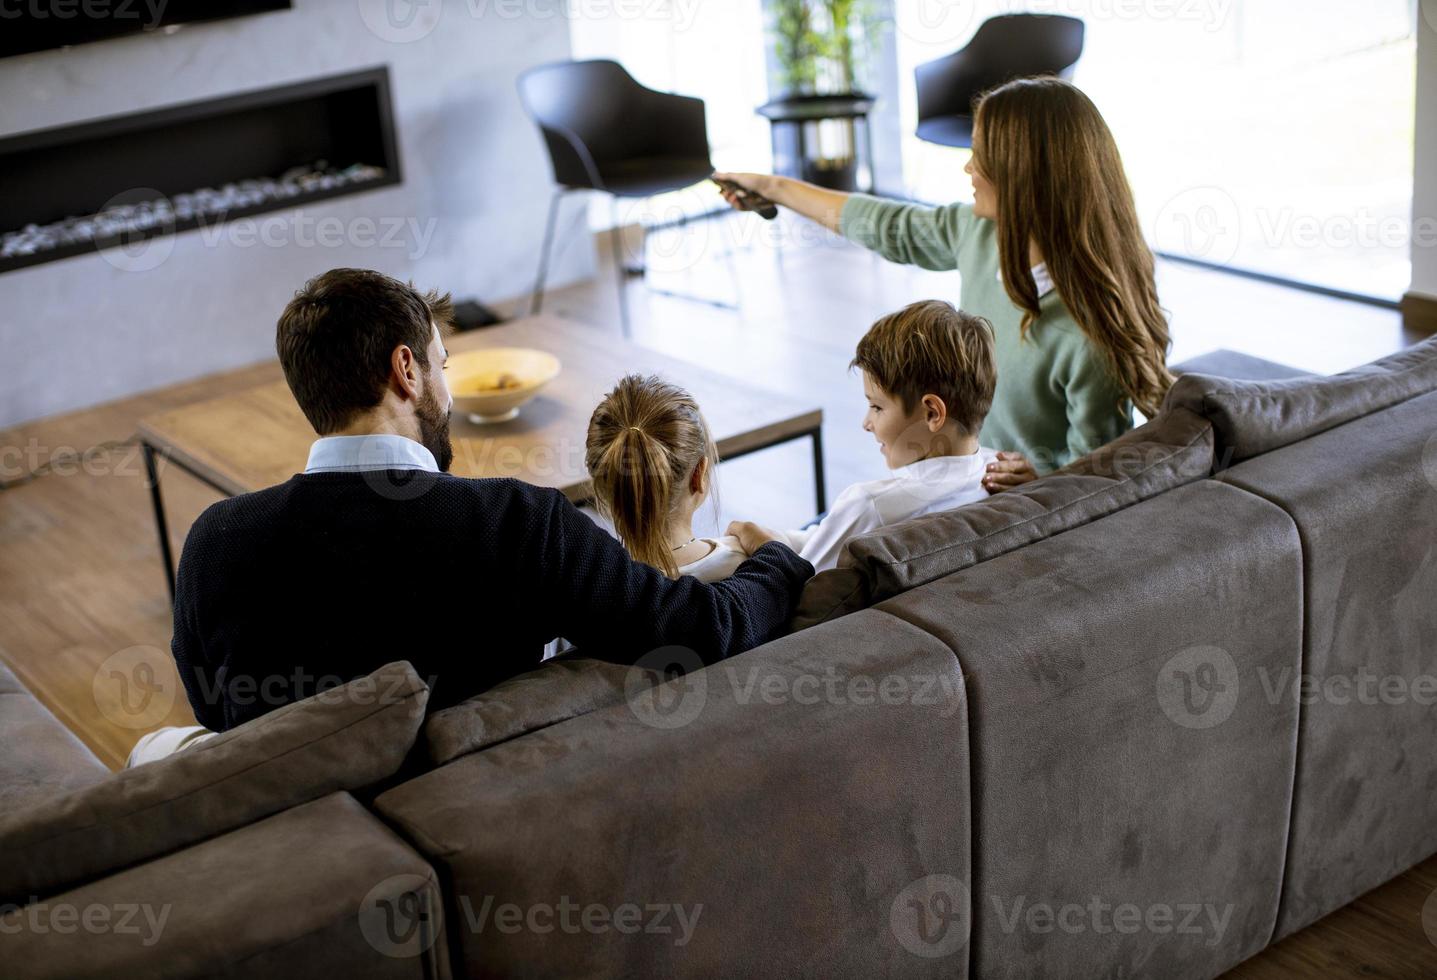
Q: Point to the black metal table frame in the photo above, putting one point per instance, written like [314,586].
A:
[157,500]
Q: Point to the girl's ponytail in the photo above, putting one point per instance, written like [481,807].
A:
[644,441]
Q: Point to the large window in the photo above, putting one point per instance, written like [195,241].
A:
[1270,135]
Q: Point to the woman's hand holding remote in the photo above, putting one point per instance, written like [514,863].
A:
[816,203]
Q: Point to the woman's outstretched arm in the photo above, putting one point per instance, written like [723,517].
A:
[816,203]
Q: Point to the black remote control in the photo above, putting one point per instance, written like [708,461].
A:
[749,201]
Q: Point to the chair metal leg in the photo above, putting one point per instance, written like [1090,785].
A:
[616,245]
[537,300]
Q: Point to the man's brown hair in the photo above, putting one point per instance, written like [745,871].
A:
[336,336]
[932,348]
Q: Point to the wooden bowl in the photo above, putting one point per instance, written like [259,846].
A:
[491,384]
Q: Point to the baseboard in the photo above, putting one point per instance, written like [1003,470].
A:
[1419,314]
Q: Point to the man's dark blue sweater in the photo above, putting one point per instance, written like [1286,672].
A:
[326,577]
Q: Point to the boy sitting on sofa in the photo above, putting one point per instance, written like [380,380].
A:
[928,374]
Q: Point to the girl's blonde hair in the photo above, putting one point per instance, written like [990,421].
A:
[645,439]
[1060,182]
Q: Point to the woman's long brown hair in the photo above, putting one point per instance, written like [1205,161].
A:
[644,441]
[1060,182]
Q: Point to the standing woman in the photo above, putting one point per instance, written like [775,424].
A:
[1050,252]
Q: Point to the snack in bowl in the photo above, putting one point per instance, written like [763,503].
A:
[491,384]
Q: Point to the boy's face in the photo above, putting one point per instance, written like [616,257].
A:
[903,437]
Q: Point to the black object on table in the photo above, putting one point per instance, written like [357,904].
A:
[790,118]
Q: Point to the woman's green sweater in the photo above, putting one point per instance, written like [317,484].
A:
[1056,398]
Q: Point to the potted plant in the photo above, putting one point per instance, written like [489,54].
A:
[822,48]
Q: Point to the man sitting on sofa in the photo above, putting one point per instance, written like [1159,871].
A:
[376,554]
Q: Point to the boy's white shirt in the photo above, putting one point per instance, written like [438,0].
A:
[925,487]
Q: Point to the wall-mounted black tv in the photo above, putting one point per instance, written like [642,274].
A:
[27,26]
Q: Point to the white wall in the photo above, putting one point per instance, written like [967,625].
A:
[476,184]
[1424,191]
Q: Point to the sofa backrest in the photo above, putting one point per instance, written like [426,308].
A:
[1250,418]
[1171,450]
[1124,752]
[777,814]
[1364,497]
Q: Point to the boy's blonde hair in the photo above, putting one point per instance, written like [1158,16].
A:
[644,440]
[932,348]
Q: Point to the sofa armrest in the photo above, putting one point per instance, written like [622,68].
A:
[323,889]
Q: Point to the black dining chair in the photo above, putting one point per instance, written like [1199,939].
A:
[1004,48]
[606,132]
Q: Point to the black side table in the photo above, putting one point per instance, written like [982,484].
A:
[790,117]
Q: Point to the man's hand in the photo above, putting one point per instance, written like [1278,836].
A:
[1009,471]
[751,536]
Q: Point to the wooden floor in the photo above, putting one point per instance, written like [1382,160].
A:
[80,579]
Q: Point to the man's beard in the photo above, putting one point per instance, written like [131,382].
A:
[434,429]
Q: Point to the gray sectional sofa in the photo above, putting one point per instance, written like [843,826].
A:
[1140,718]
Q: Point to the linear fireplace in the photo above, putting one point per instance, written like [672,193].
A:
[118,181]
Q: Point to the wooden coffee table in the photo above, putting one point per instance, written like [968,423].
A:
[259,438]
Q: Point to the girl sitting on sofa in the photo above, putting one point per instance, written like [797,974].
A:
[652,462]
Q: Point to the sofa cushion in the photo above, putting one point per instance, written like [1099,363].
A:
[1224,363]
[323,887]
[41,758]
[1250,418]
[562,688]
[1173,449]
[345,738]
